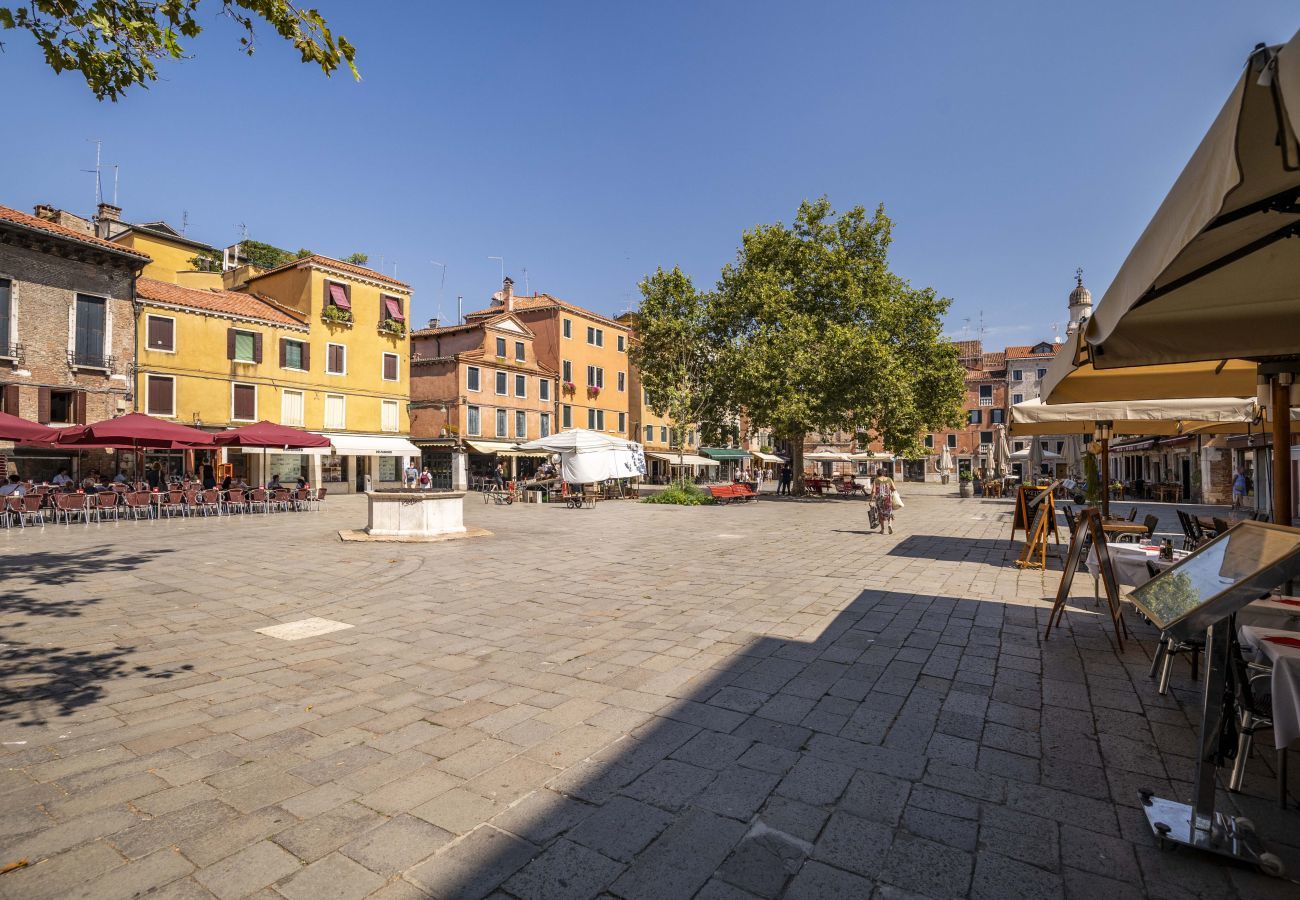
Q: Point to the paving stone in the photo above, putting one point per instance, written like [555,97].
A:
[621,828]
[817,881]
[61,874]
[563,870]
[249,870]
[876,797]
[398,844]
[335,877]
[848,842]
[208,846]
[457,811]
[542,815]
[764,860]
[174,828]
[473,867]
[141,877]
[815,781]
[1000,878]
[682,859]
[737,792]
[926,867]
[311,839]
[711,750]
[794,818]
[951,830]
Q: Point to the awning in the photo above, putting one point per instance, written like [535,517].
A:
[394,309]
[724,453]
[340,296]
[490,447]
[766,457]
[370,444]
[685,459]
[1137,445]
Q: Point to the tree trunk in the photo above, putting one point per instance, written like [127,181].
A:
[796,463]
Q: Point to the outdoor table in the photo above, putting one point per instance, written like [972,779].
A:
[1122,526]
[1130,562]
[1285,679]
[1273,612]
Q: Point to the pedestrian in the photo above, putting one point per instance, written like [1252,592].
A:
[787,476]
[1240,488]
[499,476]
[410,475]
[62,478]
[884,492]
[426,479]
[209,476]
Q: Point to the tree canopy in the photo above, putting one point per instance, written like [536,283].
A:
[116,44]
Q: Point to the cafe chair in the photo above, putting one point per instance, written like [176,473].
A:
[138,503]
[1167,648]
[234,501]
[1220,526]
[105,504]
[1255,712]
[71,506]
[1133,514]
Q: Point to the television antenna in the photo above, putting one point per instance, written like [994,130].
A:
[99,186]
[527,290]
[185,221]
[502,260]
[442,283]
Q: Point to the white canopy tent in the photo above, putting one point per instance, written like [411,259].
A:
[589,456]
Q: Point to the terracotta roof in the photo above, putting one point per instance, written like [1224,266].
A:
[443,329]
[993,361]
[317,259]
[230,303]
[542,301]
[32,223]
[1026,351]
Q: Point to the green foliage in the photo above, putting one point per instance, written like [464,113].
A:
[267,256]
[206,261]
[302,253]
[332,313]
[966,475]
[1093,477]
[116,44]
[681,493]
[392,326]
[357,259]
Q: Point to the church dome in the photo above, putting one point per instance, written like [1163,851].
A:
[1080,296]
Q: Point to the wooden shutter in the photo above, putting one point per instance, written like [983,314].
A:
[390,367]
[10,399]
[230,343]
[43,406]
[79,407]
[257,346]
[306,356]
[283,342]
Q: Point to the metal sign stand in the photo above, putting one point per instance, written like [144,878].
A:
[1199,824]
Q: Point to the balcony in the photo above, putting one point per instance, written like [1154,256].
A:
[11,352]
[90,361]
[986,401]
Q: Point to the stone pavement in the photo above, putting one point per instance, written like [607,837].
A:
[631,701]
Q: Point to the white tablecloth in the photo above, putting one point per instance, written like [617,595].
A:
[1129,562]
[1285,681]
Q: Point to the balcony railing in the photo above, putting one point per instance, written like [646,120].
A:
[90,361]
[986,401]
[12,352]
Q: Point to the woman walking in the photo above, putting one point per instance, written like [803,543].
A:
[882,490]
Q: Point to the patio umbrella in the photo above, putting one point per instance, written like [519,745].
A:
[1035,457]
[22,431]
[945,461]
[134,431]
[1001,452]
[1208,415]
[266,435]
[1073,455]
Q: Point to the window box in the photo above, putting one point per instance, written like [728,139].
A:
[593,392]
[568,387]
[392,327]
[336,315]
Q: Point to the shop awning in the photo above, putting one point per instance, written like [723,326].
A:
[724,453]
[685,459]
[369,444]
[766,457]
[490,447]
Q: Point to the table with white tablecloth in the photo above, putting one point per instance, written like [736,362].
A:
[1285,681]
[1130,562]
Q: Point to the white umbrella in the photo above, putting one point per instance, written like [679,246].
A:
[1001,452]
[945,461]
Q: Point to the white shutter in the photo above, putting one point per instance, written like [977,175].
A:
[388,417]
[291,408]
[335,411]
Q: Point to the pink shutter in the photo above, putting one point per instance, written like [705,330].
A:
[394,307]
[339,295]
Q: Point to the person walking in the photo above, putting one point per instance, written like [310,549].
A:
[410,475]
[787,476]
[1240,488]
[882,491]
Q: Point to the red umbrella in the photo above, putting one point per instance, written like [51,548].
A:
[134,432]
[268,434]
[13,428]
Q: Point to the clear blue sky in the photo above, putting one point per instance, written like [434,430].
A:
[590,143]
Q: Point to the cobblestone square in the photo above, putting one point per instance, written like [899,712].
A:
[633,701]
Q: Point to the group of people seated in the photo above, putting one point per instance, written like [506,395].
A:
[95,482]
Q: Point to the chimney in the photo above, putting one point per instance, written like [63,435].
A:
[433,323]
[62,217]
[508,293]
[106,216]
[46,212]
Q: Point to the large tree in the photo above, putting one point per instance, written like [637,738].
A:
[672,353]
[115,44]
[814,333]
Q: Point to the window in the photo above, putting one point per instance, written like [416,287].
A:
[1042,373]
[986,395]
[1060,445]
[1017,398]
[336,359]
[622,343]
[595,377]
[390,309]
[160,333]
[501,423]
[473,420]
[388,415]
[291,408]
[986,437]
[929,441]
[1018,375]
[391,368]
[595,336]
[952,441]
[243,402]
[502,383]
[622,381]
[521,385]
[596,419]
[974,417]
[997,416]
[91,326]
[501,348]
[472,378]
[245,346]
[61,407]
[1019,445]
[566,372]
[336,412]
[545,428]
[544,389]
[293,355]
[663,434]
[566,417]
[521,424]
[6,311]
[690,438]
[649,434]
[160,395]
[339,295]
[519,351]
[568,328]
[622,422]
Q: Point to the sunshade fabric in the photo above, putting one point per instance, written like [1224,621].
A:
[12,428]
[1028,454]
[869,455]
[1213,415]
[577,439]
[945,460]
[490,447]
[826,456]
[394,309]
[724,453]
[135,431]
[269,434]
[766,457]
[340,296]
[686,459]
[366,445]
[1208,279]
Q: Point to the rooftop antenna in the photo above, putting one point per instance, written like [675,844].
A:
[460,309]
[99,192]
[115,168]
[965,328]
[502,260]
[527,290]
[442,283]
[185,221]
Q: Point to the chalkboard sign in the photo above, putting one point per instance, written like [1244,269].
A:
[1034,553]
[1088,526]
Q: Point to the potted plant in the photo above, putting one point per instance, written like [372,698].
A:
[336,315]
[593,392]
[966,483]
[393,327]
[568,387]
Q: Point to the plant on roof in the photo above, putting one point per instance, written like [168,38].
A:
[357,259]
[206,261]
[266,256]
[117,44]
[332,313]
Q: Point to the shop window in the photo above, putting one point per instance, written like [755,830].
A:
[388,468]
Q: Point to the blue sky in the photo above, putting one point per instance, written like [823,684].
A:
[589,143]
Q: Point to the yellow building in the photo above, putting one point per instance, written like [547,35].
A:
[174,257]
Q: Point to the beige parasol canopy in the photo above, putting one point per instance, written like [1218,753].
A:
[1213,276]
[1207,415]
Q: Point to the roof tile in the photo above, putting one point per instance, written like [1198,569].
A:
[229,303]
[62,231]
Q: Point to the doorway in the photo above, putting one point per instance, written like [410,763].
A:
[1187,479]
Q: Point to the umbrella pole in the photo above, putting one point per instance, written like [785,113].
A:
[1105,478]
[1281,451]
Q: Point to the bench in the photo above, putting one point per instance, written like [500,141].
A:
[731,493]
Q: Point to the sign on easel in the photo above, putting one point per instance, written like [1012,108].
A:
[1026,497]
[1034,554]
[1089,526]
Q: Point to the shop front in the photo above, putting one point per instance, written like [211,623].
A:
[358,462]
[730,460]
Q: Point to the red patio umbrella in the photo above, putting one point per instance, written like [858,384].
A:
[13,428]
[135,431]
[266,434]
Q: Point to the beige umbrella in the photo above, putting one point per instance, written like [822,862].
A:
[1208,415]
[1001,452]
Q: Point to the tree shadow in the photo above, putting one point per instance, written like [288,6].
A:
[29,578]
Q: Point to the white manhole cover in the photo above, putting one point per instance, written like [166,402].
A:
[304,628]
